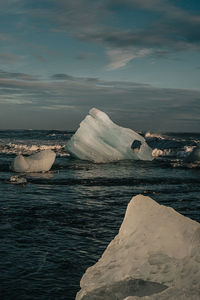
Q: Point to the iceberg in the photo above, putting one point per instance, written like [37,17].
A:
[37,162]
[155,255]
[100,140]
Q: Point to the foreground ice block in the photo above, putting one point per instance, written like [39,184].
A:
[38,162]
[156,255]
[98,139]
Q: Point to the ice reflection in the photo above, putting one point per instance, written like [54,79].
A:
[46,175]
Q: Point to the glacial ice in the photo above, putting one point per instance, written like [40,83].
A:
[155,256]
[100,140]
[38,162]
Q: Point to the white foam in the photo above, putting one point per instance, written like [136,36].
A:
[12,148]
[154,135]
[158,152]
[188,149]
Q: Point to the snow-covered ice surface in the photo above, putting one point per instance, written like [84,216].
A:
[156,255]
[100,140]
[39,162]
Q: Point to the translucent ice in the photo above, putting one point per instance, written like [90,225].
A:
[156,255]
[38,162]
[98,139]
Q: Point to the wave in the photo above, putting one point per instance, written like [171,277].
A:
[182,153]
[158,152]
[24,149]
[154,135]
[49,179]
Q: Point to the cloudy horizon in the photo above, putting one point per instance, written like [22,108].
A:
[136,60]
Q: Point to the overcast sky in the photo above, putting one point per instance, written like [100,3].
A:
[137,60]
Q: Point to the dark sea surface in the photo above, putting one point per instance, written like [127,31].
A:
[59,223]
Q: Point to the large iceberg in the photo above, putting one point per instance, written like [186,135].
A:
[156,255]
[38,162]
[100,140]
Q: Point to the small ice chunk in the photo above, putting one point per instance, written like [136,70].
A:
[100,140]
[18,179]
[38,162]
[156,255]
[194,156]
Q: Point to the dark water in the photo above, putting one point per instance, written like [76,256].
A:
[59,223]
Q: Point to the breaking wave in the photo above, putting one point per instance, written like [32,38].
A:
[12,148]
[154,135]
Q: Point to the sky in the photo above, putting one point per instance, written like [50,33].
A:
[137,60]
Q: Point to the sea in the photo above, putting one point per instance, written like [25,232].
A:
[57,224]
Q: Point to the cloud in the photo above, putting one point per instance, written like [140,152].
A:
[119,58]
[62,77]
[12,7]
[80,16]
[171,29]
[15,75]
[58,107]
[73,78]
[65,102]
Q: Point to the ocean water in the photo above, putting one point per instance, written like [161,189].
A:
[59,223]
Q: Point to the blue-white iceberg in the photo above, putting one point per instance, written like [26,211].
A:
[100,140]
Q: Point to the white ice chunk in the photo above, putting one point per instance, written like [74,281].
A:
[38,162]
[18,179]
[156,255]
[100,140]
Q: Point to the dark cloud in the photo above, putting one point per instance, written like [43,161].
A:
[174,28]
[171,29]
[62,77]
[73,78]
[15,75]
